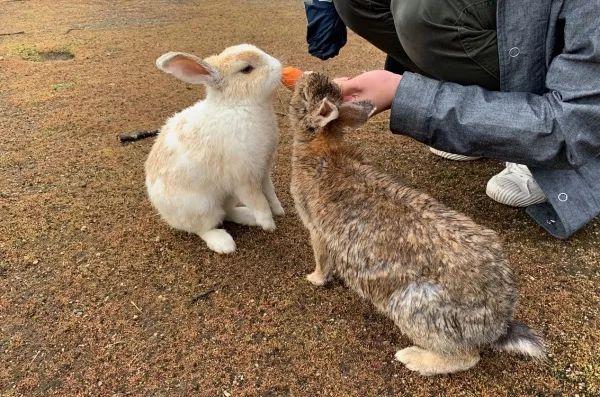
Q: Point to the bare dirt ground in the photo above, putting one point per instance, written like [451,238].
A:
[98,297]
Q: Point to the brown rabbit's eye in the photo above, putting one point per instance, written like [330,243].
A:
[247,69]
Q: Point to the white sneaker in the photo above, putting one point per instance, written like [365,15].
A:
[452,156]
[515,186]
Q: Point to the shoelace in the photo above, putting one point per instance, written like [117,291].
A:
[523,175]
[518,168]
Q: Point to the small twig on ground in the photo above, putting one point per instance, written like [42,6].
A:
[133,359]
[12,33]
[280,114]
[204,294]
[119,342]
[34,357]
[136,136]
[136,306]
[72,29]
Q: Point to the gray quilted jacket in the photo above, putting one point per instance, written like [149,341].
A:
[547,114]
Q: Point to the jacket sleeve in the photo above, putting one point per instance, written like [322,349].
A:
[559,129]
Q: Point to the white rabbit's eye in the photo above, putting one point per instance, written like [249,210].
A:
[247,69]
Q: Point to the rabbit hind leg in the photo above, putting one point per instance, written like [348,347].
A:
[217,240]
[439,328]
[427,362]
[204,221]
[194,213]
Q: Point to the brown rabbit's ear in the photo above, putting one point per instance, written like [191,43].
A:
[189,68]
[326,112]
[355,114]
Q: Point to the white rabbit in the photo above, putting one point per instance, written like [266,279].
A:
[218,152]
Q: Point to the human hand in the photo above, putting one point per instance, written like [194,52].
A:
[377,86]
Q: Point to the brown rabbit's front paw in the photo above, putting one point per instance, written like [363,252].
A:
[317,278]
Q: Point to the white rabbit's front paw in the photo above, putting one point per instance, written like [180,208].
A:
[267,223]
[219,241]
[278,210]
[317,278]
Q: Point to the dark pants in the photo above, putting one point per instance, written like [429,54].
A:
[450,40]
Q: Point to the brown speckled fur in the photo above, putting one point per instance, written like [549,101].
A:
[438,275]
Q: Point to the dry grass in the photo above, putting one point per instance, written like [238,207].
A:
[79,242]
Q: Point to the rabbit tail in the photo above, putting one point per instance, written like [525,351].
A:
[521,339]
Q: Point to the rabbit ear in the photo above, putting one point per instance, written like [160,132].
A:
[355,114]
[326,112]
[188,67]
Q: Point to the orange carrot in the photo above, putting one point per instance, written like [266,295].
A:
[289,76]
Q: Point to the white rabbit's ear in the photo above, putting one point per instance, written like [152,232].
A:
[189,68]
[326,113]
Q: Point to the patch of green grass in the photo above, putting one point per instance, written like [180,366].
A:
[591,375]
[62,86]
[27,53]
[584,378]
[31,53]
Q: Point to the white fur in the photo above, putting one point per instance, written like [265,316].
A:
[526,347]
[217,153]
[429,363]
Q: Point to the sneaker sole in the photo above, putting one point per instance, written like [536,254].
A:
[452,156]
[511,197]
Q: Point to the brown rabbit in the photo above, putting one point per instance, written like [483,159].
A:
[439,276]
